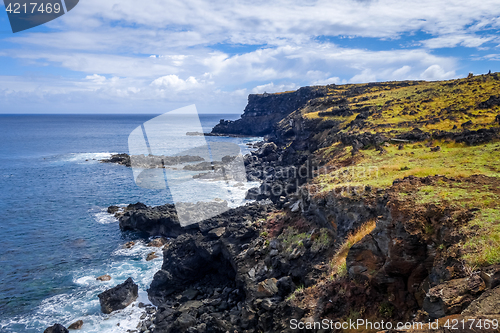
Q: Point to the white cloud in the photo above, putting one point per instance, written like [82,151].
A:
[176,83]
[331,80]
[436,72]
[97,79]
[401,73]
[456,40]
[365,76]
[189,50]
[272,88]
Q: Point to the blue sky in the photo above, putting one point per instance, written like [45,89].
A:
[151,57]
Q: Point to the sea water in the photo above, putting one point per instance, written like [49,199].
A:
[56,236]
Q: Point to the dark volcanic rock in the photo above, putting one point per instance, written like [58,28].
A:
[453,296]
[113,209]
[163,220]
[57,328]
[415,134]
[263,111]
[491,276]
[123,159]
[119,297]
[160,220]
[482,135]
[490,102]
[192,257]
[150,161]
[487,303]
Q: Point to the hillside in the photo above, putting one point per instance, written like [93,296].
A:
[384,207]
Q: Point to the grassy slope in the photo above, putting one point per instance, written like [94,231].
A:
[393,109]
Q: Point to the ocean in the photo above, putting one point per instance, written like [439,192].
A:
[55,234]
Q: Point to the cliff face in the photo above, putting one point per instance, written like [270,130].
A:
[264,111]
[360,225]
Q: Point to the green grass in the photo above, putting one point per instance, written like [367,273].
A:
[484,248]
[321,241]
[290,237]
[374,169]
[452,102]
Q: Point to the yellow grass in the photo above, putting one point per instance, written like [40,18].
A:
[338,262]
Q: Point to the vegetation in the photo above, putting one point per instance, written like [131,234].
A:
[482,233]
[483,248]
[453,160]
[439,105]
[338,262]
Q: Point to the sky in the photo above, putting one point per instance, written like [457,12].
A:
[123,56]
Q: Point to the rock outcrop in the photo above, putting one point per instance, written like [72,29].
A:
[487,304]
[119,297]
[76,325]
[163,220]
[264,111]
[150,161]
[57,328]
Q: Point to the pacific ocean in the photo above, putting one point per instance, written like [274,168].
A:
[55,233]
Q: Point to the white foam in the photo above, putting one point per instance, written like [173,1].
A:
[83,303]
[79,157]
[103,217]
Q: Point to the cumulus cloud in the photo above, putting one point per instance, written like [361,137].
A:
[97,79]
[330,80]
[456,40]
[174,82]
[272,88]
[193,50]
[436,72]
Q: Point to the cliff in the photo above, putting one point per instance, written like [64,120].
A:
[264,111]
[377,201]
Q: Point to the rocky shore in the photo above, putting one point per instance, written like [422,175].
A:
[374,204]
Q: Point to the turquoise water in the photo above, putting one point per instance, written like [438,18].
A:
[55,234]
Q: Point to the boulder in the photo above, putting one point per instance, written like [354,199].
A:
[113,209]
[487,304]
[185,321]
[119,297]
[266,149]
[105,277]
[285,285]
[217,232]
[157,242]
[151,256]
[57,328]
[415,134]
[155,221]
[491,276]
[267,288]
[76,325]
[129,245]
[453,296]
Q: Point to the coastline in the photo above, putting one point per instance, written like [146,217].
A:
[347,223]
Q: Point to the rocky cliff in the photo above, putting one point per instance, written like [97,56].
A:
[377,201]
[264,111]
